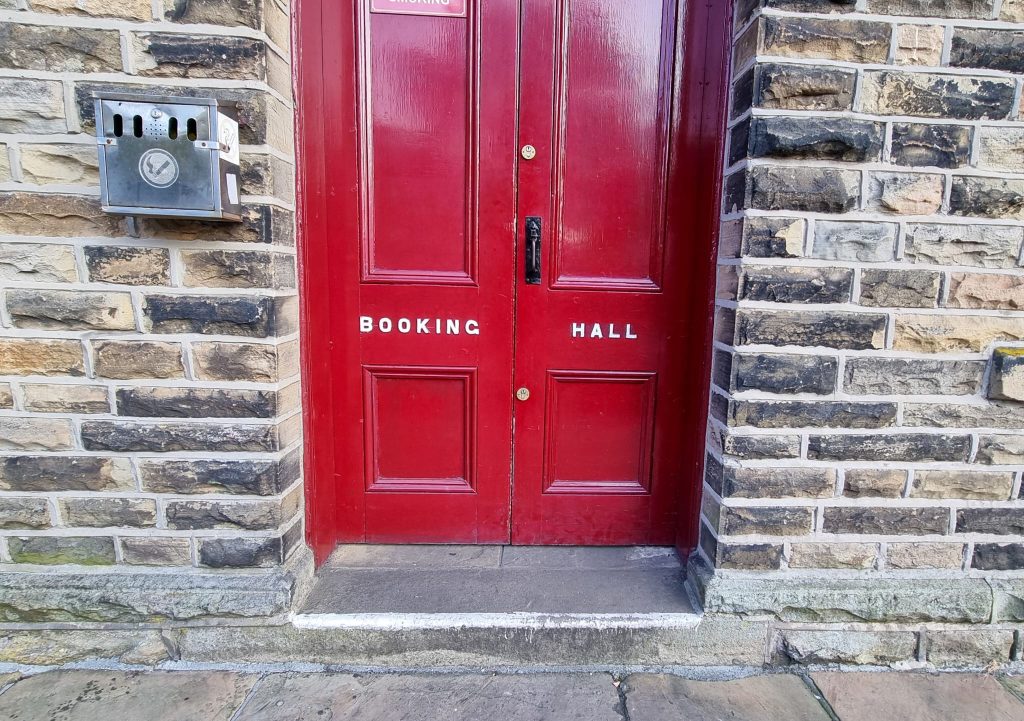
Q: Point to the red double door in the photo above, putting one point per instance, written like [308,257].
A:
[508,284]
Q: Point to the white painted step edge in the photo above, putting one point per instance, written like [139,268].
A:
[401,621]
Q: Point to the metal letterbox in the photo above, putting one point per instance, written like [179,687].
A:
[168,156]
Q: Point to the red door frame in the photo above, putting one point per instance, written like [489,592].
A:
[704,103]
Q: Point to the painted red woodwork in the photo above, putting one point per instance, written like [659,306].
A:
[412,196]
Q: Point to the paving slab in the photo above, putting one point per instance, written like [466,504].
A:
[608,558]
[117,696]
[1015,684]
[6,679]
[537,697]
[660,697]
[430,556]
[858,696]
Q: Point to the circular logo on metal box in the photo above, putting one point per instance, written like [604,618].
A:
[158,168]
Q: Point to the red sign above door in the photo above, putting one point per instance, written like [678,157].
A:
[451,8]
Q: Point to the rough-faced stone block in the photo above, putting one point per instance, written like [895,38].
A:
[855,331]
[970,485]
[877,648]
[750,556]
[887,521]
[53,214]
[41,357]
[246,515]
[246,477]
[1012,11]
[855,241]
[956,9]
[904,447]
[920,144]
[874,482]
[240,552]
[852,40]
[937,334]
[991,521]
[772,237]
[163,437]
[65,473]
[137,359]
[59,49]
[815,138]
[888,92]
[109,512]
[812,189]
[964,415]
[54,398]
[907,556]
[998,556]
[986,246]
[6,396]
[231,13]
[785,373]
[900,288]
[128,265]
[68,309]
[37,262]
[77,550]
[785,521]
[1001,148]
[977,647]
[815,414]
[64,163]
[227,315]
[919,45]
[777,284]
[803,87]
[153,551]
[1000,198]
[912,376]
[229,269]
[905,193]
[195,403]
[986,48]
[31,106]
[761,446]
[1007,379]
[986,290]
[778,482]
[24,513]
[35,434]
[129,9]
[859,556]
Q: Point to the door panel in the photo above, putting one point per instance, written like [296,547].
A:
[600,341]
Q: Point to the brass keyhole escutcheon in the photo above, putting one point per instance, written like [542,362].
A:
[529,152]
[523,394]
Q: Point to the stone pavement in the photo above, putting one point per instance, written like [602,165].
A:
[99,695]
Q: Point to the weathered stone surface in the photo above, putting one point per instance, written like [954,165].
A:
[1007,379]
[978,9]
[813,189]
[886,521]
[180,696]
[163,437]
[870,242]
[750,556]
[229,269]
[665,696]
[833,555]
[152,551]
[986,290]
[857,331]
[815,138]
[936,333]
[46,647]
[987,246]
[109,512]
[890,447]
[761,446]
[1012,11]
[240,552]
[778,482]
[942,146]
[785,373]
[61,163]
[912,376]
[138,359]
[65,473]
[993,521]
[199,56]
[5,165]
[59,49]
[877,648]
[978,647]
[267,175]
[874,482]
[777,284]
[53,214]
[248,477]
[1001,148]
[229,315]
[925,555]
[248,515]
[815,414]
[195,403]
[853,40]
[773,237]
[985,48]
[129,9]
[919,45]
[236,361]
[905,193]
[998,557]
[128,265]
[6,396]
[742,94]
[37,262]
[56,309]
[785,521]
[218,12]
[35,434]
[22,513]
[1008,603]
[962,415]
[987,197]
[803,87]
[53,398]
[889,92]
[45,357]
[31,106]
[971,485]
[900,288]
[79,550]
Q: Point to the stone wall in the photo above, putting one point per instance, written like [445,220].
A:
[861,434]
[149,396]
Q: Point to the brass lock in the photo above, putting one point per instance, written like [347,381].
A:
[523,394]
[529,152]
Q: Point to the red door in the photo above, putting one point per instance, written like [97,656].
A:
[461,275]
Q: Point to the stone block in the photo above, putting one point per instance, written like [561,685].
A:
[128,265]
[905,556]
[108,512]
[65,473]
[255,316]
[874,482]
[987,198]
[78,550]
[24,513]
[851,40]
[774,482]
[69,309]
[246,515]
[876,648]
[785,373]
[992,521]
[128,10]
[240,552]
[245,477]
[138,359]
[902,447]
[37,262]
[912,376]
[41,357]
[803,87]
[761,446]
[986,246]
[229,269]
[125,437]
[900,288]
[921,144]
[854,241]
[905,193]
[859,556]
[928,95]
[986,290]
[67,164]
[986,48]
[31,106]
[954,9]
[5,165]
[53,214]
[268,175]
[1007,379]
[35,434]
[938,334]
[998,557]
[970,485]
[887,521]
[154,551]
[750,556]
[813,6]
[59,48]
[199,56]
[813,414]
[808,188]
[1000,148]
[6,396]
[854,331]
[815,138]
[1007,601]
[232,13]
[142,402]
[767,521]
[919,45]
[776,284]
[772,237]
[54,398]
[962,415]
[977,647]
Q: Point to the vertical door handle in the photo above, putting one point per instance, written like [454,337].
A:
[533,228]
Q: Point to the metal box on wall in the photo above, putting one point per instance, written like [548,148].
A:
[168,156]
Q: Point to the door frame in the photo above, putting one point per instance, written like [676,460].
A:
[704,103]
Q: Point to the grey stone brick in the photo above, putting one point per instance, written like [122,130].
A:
[925,555]
[986,246]
[956,9]
[1000,449]
[855,241]
[764,237]
[803,87]
[942,146]
[1007,379]
[79,550]
[246,477]
[155,551]
[22,513]
[816,414]
[767,521]
[985,48]
[195,403]
[900,288]
[1001,148]
[231,13]
[240,552]
[59,49]
[128,265]
[998,556]
[811,189]
[855,331]
[742,94]
[874,482]
[890,447]
[785,373]
[138,359]
[750,556]
[887,521]
[68,309]
[65,473]
[247,515]
[987,197]
[993,521]
[199,56]
[229,269]
[162,437]
[888,92]
[960,415]
[109,512]
[761,446]
[876,648]
[779,482]
[905,193]
[976,647]
[795,284]
[815,138]
[971,485]
[226,315]
[912,376]
[852,40]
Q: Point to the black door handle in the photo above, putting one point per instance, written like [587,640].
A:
[533,228]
